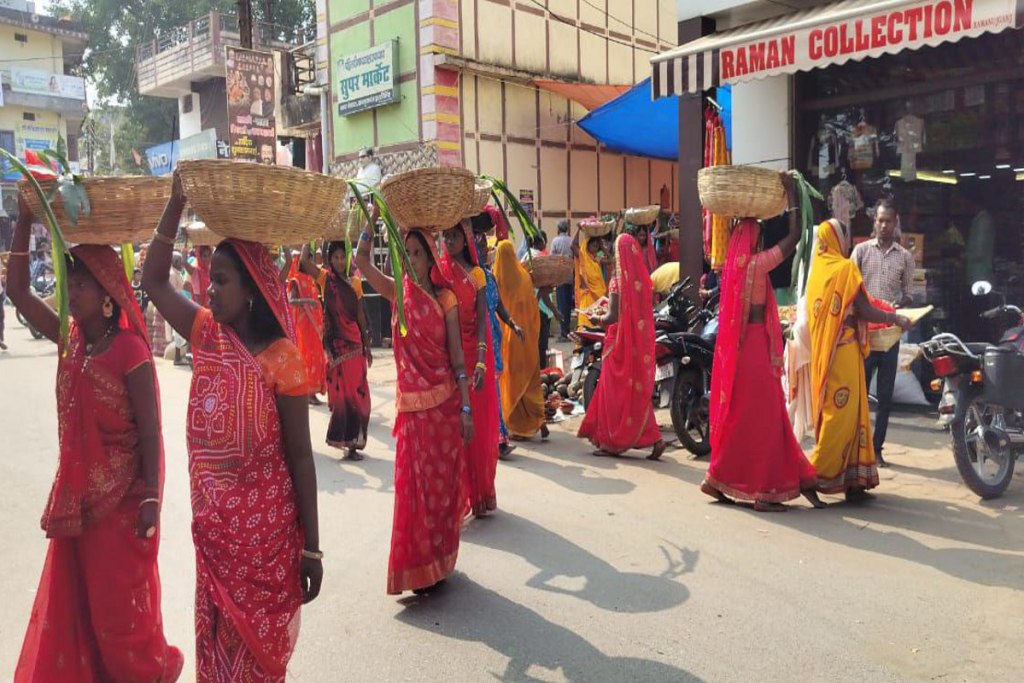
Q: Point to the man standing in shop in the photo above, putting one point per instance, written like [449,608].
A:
[888,271]
[562,246]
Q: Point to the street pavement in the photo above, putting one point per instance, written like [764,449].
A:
[593,569]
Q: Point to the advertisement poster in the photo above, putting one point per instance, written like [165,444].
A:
[252,132]
[526,199]
[28,136]
[368,78]
[37,82]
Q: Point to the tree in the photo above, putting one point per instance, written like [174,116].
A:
[117,27]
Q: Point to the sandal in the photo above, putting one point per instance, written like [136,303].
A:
[710,490]
[657,451]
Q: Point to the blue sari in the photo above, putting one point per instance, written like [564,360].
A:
[492,309]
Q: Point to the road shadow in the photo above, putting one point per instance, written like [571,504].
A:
[467,611]
[604,586]
[577,478]
[855,527]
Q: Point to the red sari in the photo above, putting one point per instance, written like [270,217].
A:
[308,313]
[620,415]
[246,526]
[754,454]
[429,452]
[348,393]
[482,465]
[97,615]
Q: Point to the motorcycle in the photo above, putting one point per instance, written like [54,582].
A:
[45,286]
[982,391]
[586,361]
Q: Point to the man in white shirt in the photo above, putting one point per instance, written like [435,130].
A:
[369,170]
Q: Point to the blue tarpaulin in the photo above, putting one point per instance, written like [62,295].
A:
[634,124]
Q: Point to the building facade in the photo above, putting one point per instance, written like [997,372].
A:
[497,86]
[41,98]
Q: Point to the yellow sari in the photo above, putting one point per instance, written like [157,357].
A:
[522,400]
[844,456]
[590,284]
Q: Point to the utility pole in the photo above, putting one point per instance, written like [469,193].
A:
[245,22]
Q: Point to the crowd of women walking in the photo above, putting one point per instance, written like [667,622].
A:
[265,340]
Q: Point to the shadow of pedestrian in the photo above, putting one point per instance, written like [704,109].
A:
[466,611]
[604,586]
[577,478]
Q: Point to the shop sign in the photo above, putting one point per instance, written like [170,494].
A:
[909,27]
[30,136]
[37,82]
[252,131]
[199,146]
[163,158]
[368,79]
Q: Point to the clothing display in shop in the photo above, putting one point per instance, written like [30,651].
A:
[823,157]
[981,241]
[863,145]
[844,201]
[909,143]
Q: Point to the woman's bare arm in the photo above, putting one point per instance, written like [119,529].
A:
[381,283]
[482,323]
[866,311]
[142,395]
[36,311]
[177,309]
[612,316]
[454,340]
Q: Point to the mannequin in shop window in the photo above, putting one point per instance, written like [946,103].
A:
[845,201]
[909,142]
[863,144]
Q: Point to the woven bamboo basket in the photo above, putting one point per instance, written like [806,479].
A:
[432,199]
[885,338]
[741,191]
[123,209]
[481,196]
[198,235]
[644,215]
[550,271]
[350,222]
[260,203]
[597,227]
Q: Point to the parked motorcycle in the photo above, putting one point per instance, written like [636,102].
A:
[983,392]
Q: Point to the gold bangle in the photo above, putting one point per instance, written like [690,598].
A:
[312,554]
[160,237]
[17,253]
[149,500]
[481,366]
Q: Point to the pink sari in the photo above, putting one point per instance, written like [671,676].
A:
[754,455]
[483,451]
[620,416]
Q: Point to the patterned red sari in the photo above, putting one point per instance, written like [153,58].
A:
[308,313]
[754,454]
[620,415]
[246,526]
[429,452]
[97,614]
[348,392]
[482,465]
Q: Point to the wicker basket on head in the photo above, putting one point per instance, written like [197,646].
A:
[597,227]
[350,222]
[885,338]
[430,198]
[481,196]
[644,215]
[123,209]
[741,191]
[198,235]
[551,270]
[259,203]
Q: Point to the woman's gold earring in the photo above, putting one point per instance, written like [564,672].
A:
[108,308]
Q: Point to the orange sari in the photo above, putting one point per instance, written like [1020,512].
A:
[97,615]
[620,416]
[308,313]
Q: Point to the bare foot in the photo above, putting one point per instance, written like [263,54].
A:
[353,455]
[765,506]
[812,497]
[602,453]
[710,490]
[544,432]
[657,451]
[858,495]
[505,451]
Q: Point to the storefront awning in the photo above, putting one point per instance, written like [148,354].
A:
[825,36]
[587,95]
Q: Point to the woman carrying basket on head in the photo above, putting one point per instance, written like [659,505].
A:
[838,311]
[97,610]
[460,266]
[620,416]
[435,420]
[754,454]
[308,313]
[251,469]
[590,282]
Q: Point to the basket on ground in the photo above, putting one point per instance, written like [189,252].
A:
[259,203]
[597,227]
[481,195]
[550,270]
[432,199]
[644,215]
[198,235]
[885,338]
[741,191]
[123,209]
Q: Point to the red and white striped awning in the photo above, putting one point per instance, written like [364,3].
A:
[825,36]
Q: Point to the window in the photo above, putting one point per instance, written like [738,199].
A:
[21,37]
[186,104]
[28,116]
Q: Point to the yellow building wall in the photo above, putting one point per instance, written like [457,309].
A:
[42,51]
[45,129]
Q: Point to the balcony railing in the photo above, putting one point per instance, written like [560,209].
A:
[167,64]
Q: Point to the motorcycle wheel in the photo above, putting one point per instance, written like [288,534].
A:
[690,413]
[36,334]
[590,384]
[986,472]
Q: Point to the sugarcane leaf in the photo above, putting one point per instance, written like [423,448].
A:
[128,259]
[56,159]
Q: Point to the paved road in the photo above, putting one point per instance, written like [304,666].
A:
[594,569]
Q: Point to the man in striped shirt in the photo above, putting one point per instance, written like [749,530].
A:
[888,271]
